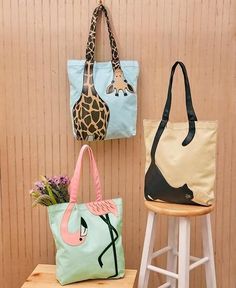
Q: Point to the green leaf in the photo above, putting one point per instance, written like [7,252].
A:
[49,190]
[44,200]
[51,194]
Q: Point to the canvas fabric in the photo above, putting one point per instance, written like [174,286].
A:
[88,236]
[103,97]
[180,157]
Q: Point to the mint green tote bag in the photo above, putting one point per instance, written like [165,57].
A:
[103,95]
[87,236]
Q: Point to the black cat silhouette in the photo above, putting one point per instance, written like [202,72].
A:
[156,187]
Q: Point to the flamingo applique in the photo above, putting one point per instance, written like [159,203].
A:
[97,208]
[77,238]
[102,209]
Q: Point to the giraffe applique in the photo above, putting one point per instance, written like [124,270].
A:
[90,113]
[119,83]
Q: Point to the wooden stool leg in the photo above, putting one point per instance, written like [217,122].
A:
[172,254]
[208,251]
[147,250]
[184,252]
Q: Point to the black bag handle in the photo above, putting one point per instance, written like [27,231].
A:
[165,116]
[188,99]
[90,50]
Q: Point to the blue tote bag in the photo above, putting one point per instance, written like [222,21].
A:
[103,98]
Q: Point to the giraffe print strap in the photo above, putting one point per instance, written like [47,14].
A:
[90,51]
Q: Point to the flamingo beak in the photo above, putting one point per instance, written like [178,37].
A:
[83,228]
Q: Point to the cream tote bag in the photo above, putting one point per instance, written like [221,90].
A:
[180,157]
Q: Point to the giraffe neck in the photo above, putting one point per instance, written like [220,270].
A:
[89,75]
[88,84]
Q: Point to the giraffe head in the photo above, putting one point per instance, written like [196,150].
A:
[119,83]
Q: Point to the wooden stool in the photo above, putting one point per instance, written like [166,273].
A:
[44,277]
[179,214]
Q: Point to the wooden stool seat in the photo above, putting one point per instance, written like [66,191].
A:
[44,277]
[179,210]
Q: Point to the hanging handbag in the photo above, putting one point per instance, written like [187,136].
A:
[180,157]
[103,98]
[87,236]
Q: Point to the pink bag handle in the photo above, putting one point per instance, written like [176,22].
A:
[77,238]
[74,185]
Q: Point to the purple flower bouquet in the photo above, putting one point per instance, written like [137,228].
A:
[50,191]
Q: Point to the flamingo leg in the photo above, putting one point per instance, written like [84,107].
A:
[105,250]
[113,246]
[113,240]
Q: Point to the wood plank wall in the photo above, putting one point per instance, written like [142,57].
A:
[36,39]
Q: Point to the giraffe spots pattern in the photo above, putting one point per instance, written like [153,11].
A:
[90,119]
[90,51]
[90,113]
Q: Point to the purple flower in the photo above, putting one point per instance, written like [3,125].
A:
[58,181]
[55,188]
[64,180]
[52,181]
[39,185]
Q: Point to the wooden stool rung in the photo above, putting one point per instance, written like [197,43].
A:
[192,258]
[161,251]
[165,285]
[198,263]
[162,271]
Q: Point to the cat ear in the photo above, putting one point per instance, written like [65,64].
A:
[130,88]
[110,89]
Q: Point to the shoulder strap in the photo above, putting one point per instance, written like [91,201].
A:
[165,116]
[90,50]
[74,185]
[188,97]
